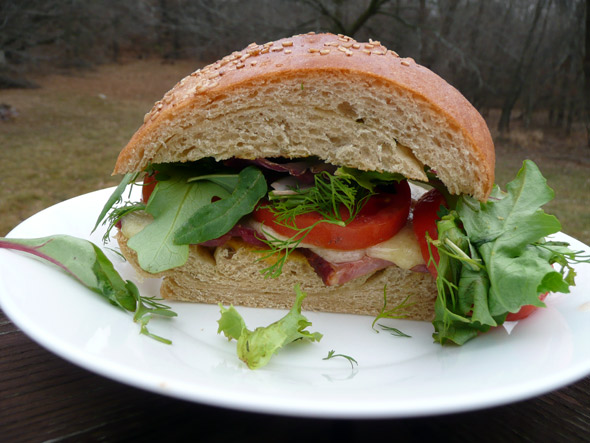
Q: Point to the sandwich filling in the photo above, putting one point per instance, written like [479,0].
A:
[347,223]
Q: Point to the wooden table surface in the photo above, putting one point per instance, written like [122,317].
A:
[45,398]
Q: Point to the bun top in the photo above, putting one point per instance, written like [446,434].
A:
[348,103]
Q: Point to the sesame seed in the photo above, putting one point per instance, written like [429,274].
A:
[343,39]
[313,50]
[349,53]
[252,45]
[254,51]
[288,51]
[253,62]
[276,48]
[356,46]
[367,51]
[324,51]
[369,46]
[240,66]
[405,63]
[389,51]
[289,43]
[265,50]
[341,49]
[348,45]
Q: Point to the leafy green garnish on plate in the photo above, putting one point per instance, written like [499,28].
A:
[494,257]
[256,348]
[89,265]
[332,354]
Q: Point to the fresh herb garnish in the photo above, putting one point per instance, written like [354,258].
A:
[338,200]
[256,348]
[115,198]
[397,312]
[88,264]
[494,258]
[394,331]
[332,354]
[117,214]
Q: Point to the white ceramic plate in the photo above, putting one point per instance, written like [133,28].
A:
[395,377]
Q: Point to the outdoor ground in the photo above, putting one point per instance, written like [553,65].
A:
[67,134]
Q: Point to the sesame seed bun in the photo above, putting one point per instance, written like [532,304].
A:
[348,103]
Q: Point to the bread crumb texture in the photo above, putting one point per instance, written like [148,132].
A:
[349,103]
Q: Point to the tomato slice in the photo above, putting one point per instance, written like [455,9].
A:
[149,183]
[425,218]
[381,218]
[525,311]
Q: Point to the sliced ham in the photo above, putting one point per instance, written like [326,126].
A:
[339,273]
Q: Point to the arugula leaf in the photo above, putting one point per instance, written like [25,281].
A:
[503,230]
[368,179]
[172,203]
[89,265]
[256,348]
[115,197]
[216,219]
[494,259]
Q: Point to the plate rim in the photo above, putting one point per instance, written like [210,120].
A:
[97,365]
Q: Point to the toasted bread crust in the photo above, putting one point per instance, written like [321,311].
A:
[376,110]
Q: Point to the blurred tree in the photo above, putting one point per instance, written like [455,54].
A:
[502,54]
[586,64]
[339,23]
[524,64]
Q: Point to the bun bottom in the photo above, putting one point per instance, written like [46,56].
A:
[230,274]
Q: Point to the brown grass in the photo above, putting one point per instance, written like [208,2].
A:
[68,133]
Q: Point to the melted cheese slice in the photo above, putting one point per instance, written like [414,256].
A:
[134,222]
[402,249]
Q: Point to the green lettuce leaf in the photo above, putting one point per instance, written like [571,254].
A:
[172,204]
[256,348]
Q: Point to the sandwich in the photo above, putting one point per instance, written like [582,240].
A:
[334,165]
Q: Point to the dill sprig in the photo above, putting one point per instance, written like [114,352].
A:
[337,199]
[117,214]
[328,196]
[397,312]
[332,354]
